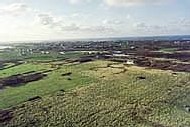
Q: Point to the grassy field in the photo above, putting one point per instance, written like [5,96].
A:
[23,68]
[53,82]
[169,50]
[53,56]
[12,96]
[100,94]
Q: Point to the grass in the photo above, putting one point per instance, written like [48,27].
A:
[9,55]
[53,56]
[170,50]
[23,68]
[112,97]
[12,96]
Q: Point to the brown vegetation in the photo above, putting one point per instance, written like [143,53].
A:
[16,80]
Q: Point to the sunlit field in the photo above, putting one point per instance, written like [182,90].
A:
[101,93]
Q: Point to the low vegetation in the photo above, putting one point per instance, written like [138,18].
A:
[95,84]
[52,82]
[135,97]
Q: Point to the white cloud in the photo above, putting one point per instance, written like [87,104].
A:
[140,25]
[97,29]
[112,22]
[128,16]
[45,19]
[123,2]
[79,1]
[184,22]
[75,1]
[76,15]
[15,9]
[49,20]
[133,2]
[71,27]
[152,29]
[53,22]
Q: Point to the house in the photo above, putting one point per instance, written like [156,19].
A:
[130,62]
[62,53]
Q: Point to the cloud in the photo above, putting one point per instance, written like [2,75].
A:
[97,29]
[75,1]
[143,27]
[112,22]
[123,2]
[79,1]
[181,23]
[71,27]
[133,2]
[140,25]
[45,19]
[15,9]
[184,22]
[53,22]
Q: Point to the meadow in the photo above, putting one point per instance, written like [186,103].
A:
[101,93]
[10,96]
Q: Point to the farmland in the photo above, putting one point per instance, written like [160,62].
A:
[90,86]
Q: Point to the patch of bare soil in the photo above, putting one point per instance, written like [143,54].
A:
[118,60]
[67,74]
[163,65]
[141,77]
[36,98]
[5,116]
[17,80]
[85,59]
[183,56]
[3,64]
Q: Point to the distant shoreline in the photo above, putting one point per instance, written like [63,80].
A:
[130,38]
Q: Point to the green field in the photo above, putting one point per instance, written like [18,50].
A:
[53,82]
[37,62]
[99,94]
[169,50]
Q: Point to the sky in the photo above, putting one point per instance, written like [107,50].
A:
[22,20]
